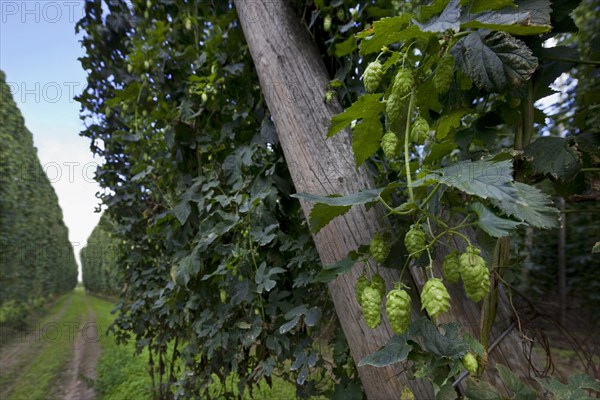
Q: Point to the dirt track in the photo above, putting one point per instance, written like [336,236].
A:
[16,355]
[79,372]
[82,368]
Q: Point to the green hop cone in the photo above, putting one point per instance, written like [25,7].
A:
[378,283]
[403,82]
[361,283]
[187,23]
[514,102]
[420,131]
[393,107]
[372,76]
[470,363]
[484,288]
[475,274]
[329,96]
[389,144]
[435,298]
[407,394]
[451,267]
[414,241]
[371,305]
[327,23]
[378,248]
[397,308]
[444,74]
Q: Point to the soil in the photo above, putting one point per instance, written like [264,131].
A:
[82,368]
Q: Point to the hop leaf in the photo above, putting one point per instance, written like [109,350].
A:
[372,76]
[371,305]
[451,267]
[403,82]
[420,131]
[444,74]
[393,107]
[378,248]
[389,144]
[414,241]
[397,308]
[435,298]
[475,274]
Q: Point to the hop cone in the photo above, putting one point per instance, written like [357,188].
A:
[444,74]
[435,298]
[378,283]
[475,274]
[393,107]
[420,131]
[361,283]
[407,394]
[371,304]
[389,144]
[397,308]
[470,363]
[414,241]
[372,76]
[327,23]
[378,248]
[451,267]
[403,82]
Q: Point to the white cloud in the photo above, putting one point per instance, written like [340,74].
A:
[70,167]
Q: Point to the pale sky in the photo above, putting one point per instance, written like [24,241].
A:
[38,53]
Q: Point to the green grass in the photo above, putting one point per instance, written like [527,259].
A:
[10,376]
[120,374]
[38,379]
[281,389]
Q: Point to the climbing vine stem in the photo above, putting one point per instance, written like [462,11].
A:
[411,104]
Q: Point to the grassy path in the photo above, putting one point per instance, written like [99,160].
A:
[24,348]
[67,355]
[35,359]
[55,357]
[86,352]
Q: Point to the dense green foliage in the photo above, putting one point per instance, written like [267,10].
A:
[100,268]
[36,257]
[220,272]
[122,374]
[219,264]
